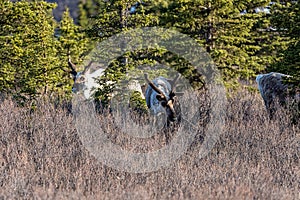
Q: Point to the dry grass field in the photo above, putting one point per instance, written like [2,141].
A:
[42,157]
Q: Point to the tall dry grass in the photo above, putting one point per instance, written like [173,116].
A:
[42,157]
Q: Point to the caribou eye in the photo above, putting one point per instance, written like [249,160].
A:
[82,78]
[159,97]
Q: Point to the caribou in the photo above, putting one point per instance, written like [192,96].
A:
[84,81]
[161,97]
[272,90]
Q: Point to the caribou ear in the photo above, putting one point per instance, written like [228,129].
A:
[72,66]
[87,68]
[73,76]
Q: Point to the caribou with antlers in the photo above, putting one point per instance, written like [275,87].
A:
[85,81]
[160,97]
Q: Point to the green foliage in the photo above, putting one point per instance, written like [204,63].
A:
[72,42]
[114,17]
[241,45]
[28,49]
[232,39]
[72,39]
[34,50]
[137,103]
[287,22]
[86,11]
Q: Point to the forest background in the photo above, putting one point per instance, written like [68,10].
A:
[244,38]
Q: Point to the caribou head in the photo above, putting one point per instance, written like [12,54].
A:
[84,81]
[161,96]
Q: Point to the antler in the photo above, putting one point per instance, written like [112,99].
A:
[72,67]
[174,83]
[87,67]
[154,86]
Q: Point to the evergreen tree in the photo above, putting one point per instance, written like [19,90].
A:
[237,34]
[119,15]
[114,17]
[234,39]
[286,21]
[86,11]
[73,44]
[29,66]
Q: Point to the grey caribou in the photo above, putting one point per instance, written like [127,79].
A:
[161,97]
[273,89]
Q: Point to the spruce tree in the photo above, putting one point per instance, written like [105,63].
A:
[286,21]
[113,18]
[86,11]
[29,66]
[230,36]
[73,44]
